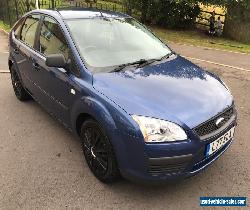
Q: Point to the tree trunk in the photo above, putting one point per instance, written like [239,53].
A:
[129,6]
[144,10]
[27,2]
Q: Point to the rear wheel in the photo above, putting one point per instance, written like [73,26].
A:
[98,152]
[19,90]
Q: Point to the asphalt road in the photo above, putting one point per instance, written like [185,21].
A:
[41,164]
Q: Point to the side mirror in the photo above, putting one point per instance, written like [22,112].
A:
[56,60]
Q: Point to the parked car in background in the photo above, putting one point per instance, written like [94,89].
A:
[140,110]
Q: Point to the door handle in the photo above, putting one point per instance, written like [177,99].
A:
[36,66]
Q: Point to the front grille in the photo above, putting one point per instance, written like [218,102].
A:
[210,126]
[155,170]
[168,165]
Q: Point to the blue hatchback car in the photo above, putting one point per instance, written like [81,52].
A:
[140,110]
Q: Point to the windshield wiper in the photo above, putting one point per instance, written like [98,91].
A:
[121,67]
[148,62]
[141,63]
[166,56]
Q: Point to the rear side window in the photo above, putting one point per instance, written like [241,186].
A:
[52,40]
[29,28]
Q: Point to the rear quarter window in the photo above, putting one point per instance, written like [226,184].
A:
[17,29]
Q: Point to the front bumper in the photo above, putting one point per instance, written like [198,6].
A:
[173,161]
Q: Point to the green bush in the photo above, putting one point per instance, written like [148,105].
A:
[173,14]
[167,13]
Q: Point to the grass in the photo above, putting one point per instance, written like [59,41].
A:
[195,37]
[198,38]
[4,26]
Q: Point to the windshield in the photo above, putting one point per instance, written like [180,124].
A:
[105,43]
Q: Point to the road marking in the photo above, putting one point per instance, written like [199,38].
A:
[4,71]
[208,48]
[218,64]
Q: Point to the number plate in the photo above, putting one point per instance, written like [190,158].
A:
[220,142]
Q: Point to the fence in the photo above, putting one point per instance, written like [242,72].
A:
[12,10]
[203,19]
[103,6]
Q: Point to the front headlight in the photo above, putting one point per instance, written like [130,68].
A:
[155,130]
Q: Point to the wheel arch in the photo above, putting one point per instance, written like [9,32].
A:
[90,108]
[81,118]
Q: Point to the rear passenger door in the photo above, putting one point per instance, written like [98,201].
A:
[56,83]
[23,50]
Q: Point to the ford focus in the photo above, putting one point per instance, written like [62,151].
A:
[140,110]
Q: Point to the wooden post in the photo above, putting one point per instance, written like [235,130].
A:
[53,4]
[17,13]
[8,11]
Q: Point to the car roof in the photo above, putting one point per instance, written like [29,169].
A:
[81,13]
[68,13]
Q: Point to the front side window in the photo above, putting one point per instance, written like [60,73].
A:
[107,42]
[52,40]
[29,28]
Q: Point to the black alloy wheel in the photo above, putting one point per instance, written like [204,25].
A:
[98,152]
[19,90]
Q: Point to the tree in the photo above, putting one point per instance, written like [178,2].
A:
[129,4]
[144,9]
[140,5]
[168,13]
[237,22]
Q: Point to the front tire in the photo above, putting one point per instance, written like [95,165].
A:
[19,90]
[98,152]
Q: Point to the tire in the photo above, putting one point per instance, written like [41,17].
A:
[98,152]
[19,90]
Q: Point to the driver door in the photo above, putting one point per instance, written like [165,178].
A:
[56,84]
